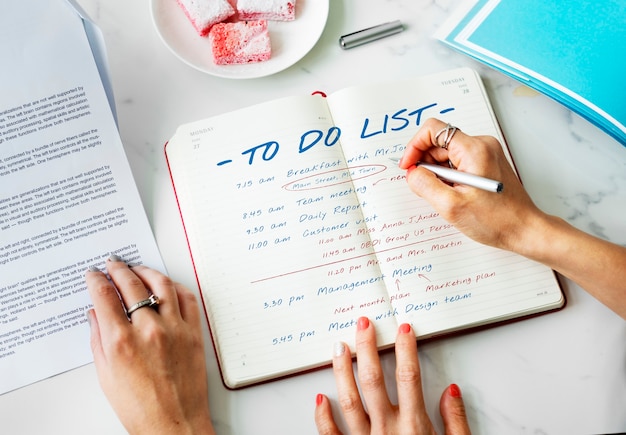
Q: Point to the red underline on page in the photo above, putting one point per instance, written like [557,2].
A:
[375,253]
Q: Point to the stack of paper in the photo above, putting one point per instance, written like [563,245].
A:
[67,196]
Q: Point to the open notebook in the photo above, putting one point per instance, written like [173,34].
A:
[298,222]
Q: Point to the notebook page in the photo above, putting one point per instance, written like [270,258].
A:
[277,236]
[438,279]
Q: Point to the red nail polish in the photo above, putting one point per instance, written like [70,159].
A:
[363,323]
[455,391]
[405,328]
[319,399]
[409,170]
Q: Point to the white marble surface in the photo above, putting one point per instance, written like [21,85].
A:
[563,373]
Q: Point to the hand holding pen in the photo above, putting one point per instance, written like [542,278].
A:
[442,139]
[458,177]
[494,219]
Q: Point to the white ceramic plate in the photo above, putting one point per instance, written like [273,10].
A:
[291,40]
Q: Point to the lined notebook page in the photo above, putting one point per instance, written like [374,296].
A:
[277,237]
[438,279]
[294,236]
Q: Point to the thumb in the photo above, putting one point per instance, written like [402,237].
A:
[452,411]
[426,185]
[95,339]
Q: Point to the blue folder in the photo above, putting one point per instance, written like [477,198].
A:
[574,51]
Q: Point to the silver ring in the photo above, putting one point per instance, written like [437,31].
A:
[152,301]
[449,130]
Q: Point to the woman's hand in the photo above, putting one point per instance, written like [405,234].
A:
[152,368]
[379,415]
[496,219]
[510,220]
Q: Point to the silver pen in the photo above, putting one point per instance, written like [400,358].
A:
[370,34]
[458,177]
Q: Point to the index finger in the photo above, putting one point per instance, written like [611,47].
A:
[422,148]
[105,299]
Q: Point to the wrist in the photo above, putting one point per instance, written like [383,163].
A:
[199,425]
[540,237]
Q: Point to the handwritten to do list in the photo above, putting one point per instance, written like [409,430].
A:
[298,223]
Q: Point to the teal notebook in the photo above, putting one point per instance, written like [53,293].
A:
[572,51]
